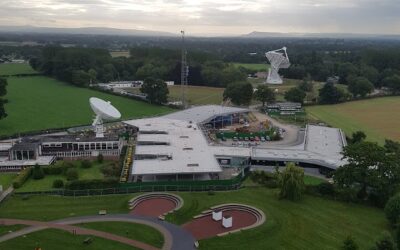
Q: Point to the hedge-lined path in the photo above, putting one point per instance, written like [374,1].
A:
[175,237]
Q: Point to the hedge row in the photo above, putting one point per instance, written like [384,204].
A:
[22,177]
[92,184]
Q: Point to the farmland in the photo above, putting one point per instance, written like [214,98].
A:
[39,102]
[123,53]
[15,68]
[252,66]
[378,118]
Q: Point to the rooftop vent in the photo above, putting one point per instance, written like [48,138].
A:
[193,165]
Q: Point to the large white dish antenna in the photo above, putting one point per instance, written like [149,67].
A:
[278,60]
[104,111]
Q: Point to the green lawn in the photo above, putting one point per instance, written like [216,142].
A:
[46,207]
[41,102]
[46,183]
[6,229]
[197,95]
[16,68]
[378,117]
[53,239]
[311,180]
[133,231]
[313,223]
[6,179]
[253,66]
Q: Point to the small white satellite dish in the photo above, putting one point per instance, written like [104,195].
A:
[104,111]
[278,60]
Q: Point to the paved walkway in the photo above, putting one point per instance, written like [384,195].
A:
[175,237]
[4,194]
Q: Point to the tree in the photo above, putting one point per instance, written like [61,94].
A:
[349,244]
[295,95]
[358,136]
[72,174]
[264,94]
[385,242]
[306,85]
[360,86]
[3,92]
[392,210]
[291,182]
[330,94]
[92,75]
[100,158]
[239,93]
[345,70]
[80,78]
[369,169]
[156,90]
[37,173]
[370,73]
[393,83]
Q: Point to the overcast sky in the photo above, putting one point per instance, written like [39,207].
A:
[209,16]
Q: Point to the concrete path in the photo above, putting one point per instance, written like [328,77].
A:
[4,194]
[175,237]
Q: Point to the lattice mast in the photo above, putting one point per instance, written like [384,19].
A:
[184,72]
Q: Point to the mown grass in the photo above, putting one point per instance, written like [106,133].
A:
[16,68]
[313,223]
[6,179]
[10,228]
[378,117]
[133,231]
[39,102]
[53,239]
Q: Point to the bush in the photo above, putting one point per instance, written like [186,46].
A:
[53,170]
[392,209]
[349,244]
[271,183]
[22,177]
[58,183]
[72,174]
[92,184]
[347,195]
[86,164]
[385,242]
[100,158]
[37,173]
[326,188]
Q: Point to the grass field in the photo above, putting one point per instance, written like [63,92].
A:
[120,53]
[313,223]
[6,179]
[46,184]
[15,68]
[133,231]
[253,66]
[378,118]
[39,102]
[11,228]
[52,239]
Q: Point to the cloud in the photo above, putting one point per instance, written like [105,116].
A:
[210,16]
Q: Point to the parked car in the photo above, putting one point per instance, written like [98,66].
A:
[262,138]
[235,138]
[246,138]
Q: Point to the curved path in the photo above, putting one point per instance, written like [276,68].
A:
[175,237]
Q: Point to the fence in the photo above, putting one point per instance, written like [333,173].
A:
[127,188]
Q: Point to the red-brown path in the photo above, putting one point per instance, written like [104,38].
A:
[154,207]
[78,230]
[205,227]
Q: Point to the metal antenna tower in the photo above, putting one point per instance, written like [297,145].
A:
[184,72]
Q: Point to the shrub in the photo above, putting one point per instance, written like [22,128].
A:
[58,183]
[349,244]
[22,177]
[326,188]
[385,242]
[291,181]
[271,183]
[392,209]
[347,195]
[72,174]
[37,173]
[100,158]
[86,164]
[92,184]
[111,170]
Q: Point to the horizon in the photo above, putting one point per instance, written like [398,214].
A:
[219,17]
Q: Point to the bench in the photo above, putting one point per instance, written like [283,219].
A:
[88,240]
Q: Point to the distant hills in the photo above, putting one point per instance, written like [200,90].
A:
[257,34]
[84,31]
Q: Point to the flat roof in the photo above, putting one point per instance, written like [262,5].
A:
[40,160]
[188,150]
[202,113]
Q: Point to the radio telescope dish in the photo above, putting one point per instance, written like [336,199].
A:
[278,60]
[104,111]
